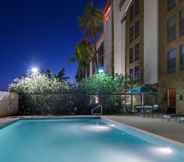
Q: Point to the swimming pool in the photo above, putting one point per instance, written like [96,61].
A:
[82,140]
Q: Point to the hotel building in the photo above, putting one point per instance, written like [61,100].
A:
[145,40]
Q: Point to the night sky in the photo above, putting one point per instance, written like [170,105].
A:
[40,33]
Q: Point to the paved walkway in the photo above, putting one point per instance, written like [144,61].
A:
[161,127]
[6,120]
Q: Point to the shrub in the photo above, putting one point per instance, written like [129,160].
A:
[37,84]
[108,90]
[40,94]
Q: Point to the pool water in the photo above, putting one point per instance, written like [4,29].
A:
[82,140]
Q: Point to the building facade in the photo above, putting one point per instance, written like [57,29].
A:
[145,40]
[171,53]
[154,47]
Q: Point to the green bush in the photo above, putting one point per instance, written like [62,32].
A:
[40,94]
[108,90]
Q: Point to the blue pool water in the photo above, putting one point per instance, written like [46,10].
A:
[82,140]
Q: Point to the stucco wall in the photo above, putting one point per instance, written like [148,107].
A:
[8,103]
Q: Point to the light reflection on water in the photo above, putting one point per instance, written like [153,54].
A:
[162,151]
[97,128]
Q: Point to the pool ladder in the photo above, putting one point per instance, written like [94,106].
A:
[96,108]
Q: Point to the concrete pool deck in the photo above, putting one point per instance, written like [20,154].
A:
[158,126]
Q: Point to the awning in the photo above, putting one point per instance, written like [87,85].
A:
[143,89]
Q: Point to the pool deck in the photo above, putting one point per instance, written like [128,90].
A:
[158,126]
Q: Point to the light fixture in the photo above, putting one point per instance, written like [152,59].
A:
[35,70]
[101,71]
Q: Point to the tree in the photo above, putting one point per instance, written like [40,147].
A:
[61,75]
[83,53]
[91,23]
[49,73]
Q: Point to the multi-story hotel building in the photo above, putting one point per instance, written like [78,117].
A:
[145,40]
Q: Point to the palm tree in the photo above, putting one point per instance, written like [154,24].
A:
[91,23]
[61,75]
[49,73]
[83,55]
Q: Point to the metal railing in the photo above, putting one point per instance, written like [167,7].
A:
[100,107]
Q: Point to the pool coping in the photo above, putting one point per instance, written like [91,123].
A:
[8,123]
[177,143]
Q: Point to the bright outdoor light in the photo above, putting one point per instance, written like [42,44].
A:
[34,70]
[101,71]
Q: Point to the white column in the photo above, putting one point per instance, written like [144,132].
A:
[151,41]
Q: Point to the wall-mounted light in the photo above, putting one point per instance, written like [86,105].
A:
[100,71]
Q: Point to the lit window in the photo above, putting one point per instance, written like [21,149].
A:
[171,4]
[182,23]
[171,61]
[171,28]
[182,57]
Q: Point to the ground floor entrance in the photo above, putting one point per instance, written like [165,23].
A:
[171,100]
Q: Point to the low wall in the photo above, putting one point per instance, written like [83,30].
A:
[8,103]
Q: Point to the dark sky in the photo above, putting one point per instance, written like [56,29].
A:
[39,33]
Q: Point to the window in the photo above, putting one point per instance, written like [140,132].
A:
[131,13]
[137,51]
[171,61]
[171,28]
[171,4]
[137,29]
[137,76]
[131,34]
[182,23]
[131,55]
[137,7]
[182,57]
[131,73]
